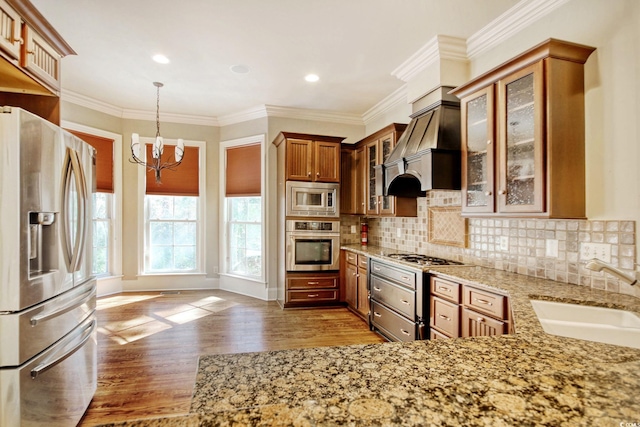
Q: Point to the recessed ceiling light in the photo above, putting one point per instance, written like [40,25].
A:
[161,59]
[239,69]
[311,78]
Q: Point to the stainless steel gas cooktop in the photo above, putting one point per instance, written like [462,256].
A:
[422,260]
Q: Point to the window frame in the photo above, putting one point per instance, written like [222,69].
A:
[143,224]
[115,238]
[224,209]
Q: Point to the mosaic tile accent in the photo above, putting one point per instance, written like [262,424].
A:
[526,248]
[447,227]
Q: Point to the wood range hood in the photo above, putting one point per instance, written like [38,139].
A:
[427,155]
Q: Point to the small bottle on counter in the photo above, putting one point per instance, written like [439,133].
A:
[364,234]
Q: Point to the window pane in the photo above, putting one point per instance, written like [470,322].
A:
[244,244]
[160,207]
[161,233]
[100,205]
[185,258]
[237,261]
[254,209]
[162,258]
[238,208]
[254,237]
[100,265]
[186,208]
[238,233]
[185,233]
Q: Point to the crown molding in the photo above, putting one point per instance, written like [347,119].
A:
[253,113]
[92,104]
[439,47]
[509,23]
[398,97]
[316,115]
[170,117]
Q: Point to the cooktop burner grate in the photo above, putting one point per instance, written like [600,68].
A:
[423,259]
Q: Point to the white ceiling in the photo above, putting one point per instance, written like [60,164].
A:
[353,45]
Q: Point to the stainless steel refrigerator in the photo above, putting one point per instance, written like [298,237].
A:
[48,348]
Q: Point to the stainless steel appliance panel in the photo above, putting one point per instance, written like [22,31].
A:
[312,245]
[396,297]
[391,324]
[319,199]
[54,388]
[28,332]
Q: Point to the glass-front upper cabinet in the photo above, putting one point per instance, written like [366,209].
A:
[478,152]
[372,161]
[521,150]
[386,146]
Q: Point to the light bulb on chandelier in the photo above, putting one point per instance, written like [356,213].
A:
[157,149]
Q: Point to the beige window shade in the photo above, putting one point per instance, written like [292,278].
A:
[184,180]
[243,171]
[104,159]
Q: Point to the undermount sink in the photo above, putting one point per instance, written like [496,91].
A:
[600,324]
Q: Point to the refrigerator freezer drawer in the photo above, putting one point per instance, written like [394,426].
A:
[56,387]
[29,332]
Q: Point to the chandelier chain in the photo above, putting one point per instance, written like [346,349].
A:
[158,110]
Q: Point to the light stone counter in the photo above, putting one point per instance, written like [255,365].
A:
[529,378]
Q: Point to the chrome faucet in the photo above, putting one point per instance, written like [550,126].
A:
[597,265]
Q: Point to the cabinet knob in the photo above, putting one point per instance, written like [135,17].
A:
[480,319]
[308,173]
[317,173]
[487,193]
[502,192]
[488,142]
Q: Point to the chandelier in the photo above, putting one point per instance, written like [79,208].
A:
[157,149]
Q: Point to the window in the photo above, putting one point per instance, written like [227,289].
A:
[173,212]
[102,235]
[172,223]
[245,236]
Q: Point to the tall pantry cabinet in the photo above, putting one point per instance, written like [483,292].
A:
[523,135]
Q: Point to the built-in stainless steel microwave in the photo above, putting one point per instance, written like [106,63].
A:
[312,199]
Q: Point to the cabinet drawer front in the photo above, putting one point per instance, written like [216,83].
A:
[485,302]
[9,30]
[312,296]
[351,258]
[405,277]
[445,316]
[312,282]
[445,289]
[478,325]
[392,324]
[363,261]
[396,297]
[436,335]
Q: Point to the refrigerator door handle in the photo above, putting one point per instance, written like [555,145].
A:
[84,335]
[73,209]
[75,302]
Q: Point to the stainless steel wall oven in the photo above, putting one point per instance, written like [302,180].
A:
[312,245]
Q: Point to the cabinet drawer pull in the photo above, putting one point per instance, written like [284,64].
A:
[313,295]
[405,332]
[404,301]
[377,314]
[487,193]
[376,268]
[442,288]
[483,301]
[355,274]
[502,192]
[442,316]
[405,277]
[313,283]
[376,289]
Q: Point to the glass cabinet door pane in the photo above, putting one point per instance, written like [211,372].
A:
[386,148]
[520,142]
[372,158]
[478,189]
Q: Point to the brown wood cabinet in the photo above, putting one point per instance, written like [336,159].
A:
[354,274]
[312,289]
[460,310]
[362,183]
[352,192]
[30,54]
[523,135]
[311,157]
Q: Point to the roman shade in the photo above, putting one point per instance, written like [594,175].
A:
[184,180]
[104,159]
[243,171]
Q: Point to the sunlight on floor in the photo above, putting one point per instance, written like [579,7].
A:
[128,330]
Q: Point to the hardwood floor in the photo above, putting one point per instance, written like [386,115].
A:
[149,343]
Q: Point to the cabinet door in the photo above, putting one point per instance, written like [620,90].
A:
[521,168]
[40,58]
[478,325]
[9,30]
[478,152]
[298,159]
[363,292]
[348,182]
[361,182]
[326,162]
[385,145]
[371,151]
[351,285]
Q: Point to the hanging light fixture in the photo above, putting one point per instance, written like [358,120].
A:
[158,146]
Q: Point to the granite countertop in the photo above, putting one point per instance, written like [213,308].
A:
[528,378]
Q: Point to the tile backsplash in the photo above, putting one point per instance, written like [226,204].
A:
[519,245]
